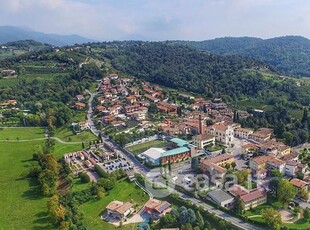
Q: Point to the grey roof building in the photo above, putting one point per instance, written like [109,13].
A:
[221,197]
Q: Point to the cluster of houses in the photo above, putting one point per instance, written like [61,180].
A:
[117,211]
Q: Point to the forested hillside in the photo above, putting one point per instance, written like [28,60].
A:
[290,54]
[180,67]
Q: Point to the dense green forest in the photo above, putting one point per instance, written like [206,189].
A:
[290,54]
[180,67]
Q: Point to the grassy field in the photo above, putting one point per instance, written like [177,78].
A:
[60,149]
[22,205]
[66,134]
[123,191]
[140,148]
[21,133]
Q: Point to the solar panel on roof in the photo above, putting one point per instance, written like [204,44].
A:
[163,207]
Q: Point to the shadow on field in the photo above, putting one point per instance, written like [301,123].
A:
[42,218]
[34,191]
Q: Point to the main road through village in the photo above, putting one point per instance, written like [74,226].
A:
[140,168]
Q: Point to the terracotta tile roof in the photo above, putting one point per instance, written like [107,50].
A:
[253,195]
[298,183]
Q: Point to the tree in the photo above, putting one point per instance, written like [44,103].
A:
[300,175]
[239,206]
[152,108]
[187,226]
[83,145]
[303,193]
[276,173]
[233,165]
[179,111]
[199,220]
[84,177]
[304,116]
[194,163]
[272,218]
[191,216]
[307,214]
[286,192]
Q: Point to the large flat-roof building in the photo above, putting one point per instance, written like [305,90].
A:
[221,198]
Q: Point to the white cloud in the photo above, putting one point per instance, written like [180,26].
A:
[160,19]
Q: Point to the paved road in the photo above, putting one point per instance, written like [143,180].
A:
[140,168]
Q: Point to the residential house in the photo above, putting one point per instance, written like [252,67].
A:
[261,135]
[8,72]
[157,208]
[79,105]
[276,164]
[214,166]
[291,168]
[119,210]
[260,162]
[79,97]
[242,133]
[151,98]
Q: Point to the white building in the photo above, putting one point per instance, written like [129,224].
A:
[152,155]
[223,133]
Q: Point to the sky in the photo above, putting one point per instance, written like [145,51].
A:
[160,19]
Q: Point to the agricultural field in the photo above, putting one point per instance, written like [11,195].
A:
[140,148]
[123,191]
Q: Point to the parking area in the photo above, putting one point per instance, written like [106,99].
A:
[120,163]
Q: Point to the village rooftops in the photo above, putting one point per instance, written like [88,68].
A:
[298,183]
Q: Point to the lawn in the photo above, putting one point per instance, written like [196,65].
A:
[22,205]
[123,191]
[299,224]
[21,133]
[140,148]
[66,134]
[61,149]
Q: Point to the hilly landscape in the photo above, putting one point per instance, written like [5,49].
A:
[289,55]
[51,91]
[12,34]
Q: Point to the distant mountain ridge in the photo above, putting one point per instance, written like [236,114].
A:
[289,54]
[12,34]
